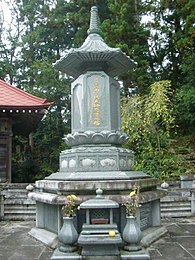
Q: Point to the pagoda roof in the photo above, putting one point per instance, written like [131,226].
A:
[94,54]
[12,97]
[23,109]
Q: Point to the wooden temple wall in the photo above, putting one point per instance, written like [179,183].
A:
[5,149]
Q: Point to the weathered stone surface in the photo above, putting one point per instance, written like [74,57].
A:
[47,197]
[93,184]
[102,137]
[96,158]
[101,258]
[152,234]
[137,255]
[120,198]
[57,255]
[48,238]
[95,110]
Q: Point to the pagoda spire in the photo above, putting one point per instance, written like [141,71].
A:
[94,54]
[94,21]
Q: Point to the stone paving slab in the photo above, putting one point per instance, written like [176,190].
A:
[16,244]
[177,244]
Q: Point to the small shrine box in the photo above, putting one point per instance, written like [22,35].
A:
[99,235]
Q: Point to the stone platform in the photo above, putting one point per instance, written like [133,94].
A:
[50,197]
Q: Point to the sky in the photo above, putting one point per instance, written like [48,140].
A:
[6,12]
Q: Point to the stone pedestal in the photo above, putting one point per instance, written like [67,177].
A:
[50,196]
[186,182]
[137,255]
[193,202]
[58,255]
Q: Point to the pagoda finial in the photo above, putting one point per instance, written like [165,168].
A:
[94,21]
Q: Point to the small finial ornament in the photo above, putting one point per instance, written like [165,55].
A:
[99,193]
[94,21]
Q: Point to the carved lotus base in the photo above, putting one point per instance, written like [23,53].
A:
[91,137]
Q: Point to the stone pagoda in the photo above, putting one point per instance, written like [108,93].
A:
[96,136]
[96,159]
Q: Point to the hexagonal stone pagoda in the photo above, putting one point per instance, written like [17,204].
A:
[96,158]
[96,135]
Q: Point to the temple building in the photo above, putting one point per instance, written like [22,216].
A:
[20,113]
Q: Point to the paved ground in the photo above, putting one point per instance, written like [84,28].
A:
[16,244]
[177,244]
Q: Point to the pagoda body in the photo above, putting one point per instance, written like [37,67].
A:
[96,158]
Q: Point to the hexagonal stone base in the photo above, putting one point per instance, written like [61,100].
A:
[99,175]
[96,158]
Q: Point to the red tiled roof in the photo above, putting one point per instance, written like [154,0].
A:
[12,97]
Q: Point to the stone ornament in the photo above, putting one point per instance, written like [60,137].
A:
[72,163]
[91,137]
[88,162]
[108,162]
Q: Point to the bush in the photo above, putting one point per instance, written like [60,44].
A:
[150,123]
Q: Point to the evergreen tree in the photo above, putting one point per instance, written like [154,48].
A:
[162,45]
[43,36]
[172,48]
[123,28]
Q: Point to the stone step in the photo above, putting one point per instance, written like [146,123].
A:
[19,212]
[19,202]
[176,209]
[20,217]
[15,190]
[177,205]
[175,214]
[15,193]
[20,206]
[175,199]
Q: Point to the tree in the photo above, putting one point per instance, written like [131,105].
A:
[162,46]
[41,40]
[185,96]
[9,44]
[123,28]
[79,17]
[149,122]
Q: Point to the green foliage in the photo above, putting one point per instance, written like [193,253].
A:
[44,26]
[37,162]
[186,108]
[172,36]
[162,45]
[24,164]
[185,96]
[150,122]
[123,28]
[48,144]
